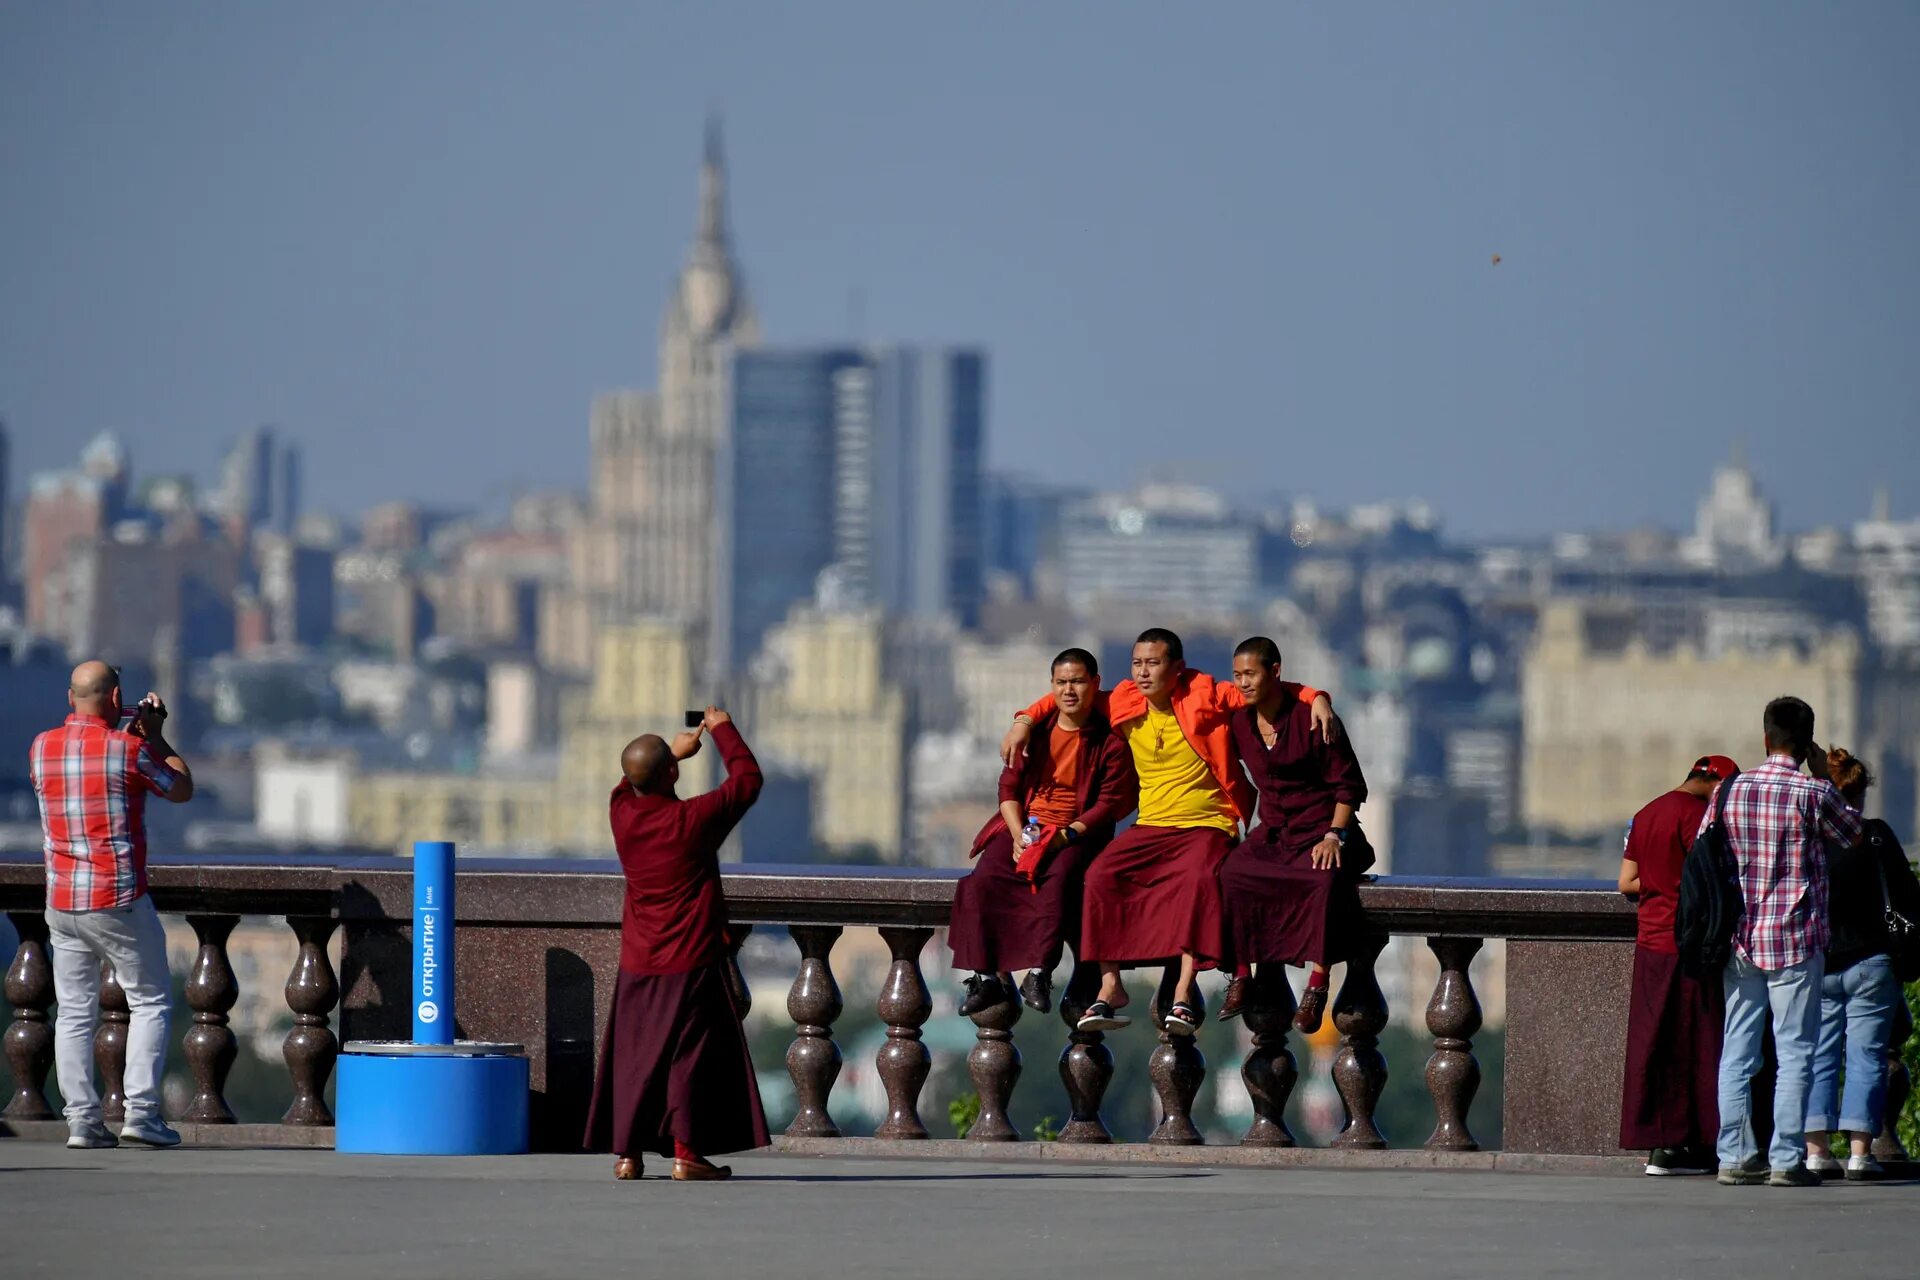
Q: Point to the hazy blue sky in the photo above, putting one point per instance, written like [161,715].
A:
[1248,242]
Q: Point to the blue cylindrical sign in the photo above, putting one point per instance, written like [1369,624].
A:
[433,942]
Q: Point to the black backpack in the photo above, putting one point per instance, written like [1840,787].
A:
[1710,901]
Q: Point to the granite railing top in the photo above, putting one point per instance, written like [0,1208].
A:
[585,892]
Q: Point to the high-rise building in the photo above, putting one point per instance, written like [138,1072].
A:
[296,587]
[854,474]
[776,492]
[909,441]
[646,549]
[1178,551]
[66,511]
[260,482]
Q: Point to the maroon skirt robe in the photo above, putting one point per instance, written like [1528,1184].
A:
[675,1068]
[1283,910]
[1002,922]
[1153,893]
[1671,1094]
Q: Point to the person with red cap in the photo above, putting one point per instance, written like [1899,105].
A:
[1669,1104]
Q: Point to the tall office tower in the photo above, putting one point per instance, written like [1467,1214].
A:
[260,482]
[775,493]
[852,476]
[67,510]
[909,437]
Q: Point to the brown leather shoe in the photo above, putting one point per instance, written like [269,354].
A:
[627,1169]
[1236,999]
[1313,1007]
[700,1171]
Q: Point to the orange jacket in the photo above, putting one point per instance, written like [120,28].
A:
[1203,706]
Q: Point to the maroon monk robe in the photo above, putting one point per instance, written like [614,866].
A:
[1280,907]
[1002,922]
[1670,1096]
[675,1064]
[1154,893]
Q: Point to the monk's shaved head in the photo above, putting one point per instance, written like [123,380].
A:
[646,762]
[92,686]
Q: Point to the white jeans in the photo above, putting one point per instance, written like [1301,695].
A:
[132,940]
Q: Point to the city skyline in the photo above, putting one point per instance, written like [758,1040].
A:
[286,267]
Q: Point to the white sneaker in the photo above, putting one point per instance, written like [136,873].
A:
[90,1135]
[1863,1169]
[1825,1166]
[150,1133]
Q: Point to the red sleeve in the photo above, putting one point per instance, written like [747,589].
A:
[717,812]
[1343,769]
[1010,781]
[1119,786]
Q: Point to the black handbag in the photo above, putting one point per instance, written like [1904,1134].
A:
[1903,936]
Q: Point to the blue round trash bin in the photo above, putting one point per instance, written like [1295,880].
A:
[403,1099]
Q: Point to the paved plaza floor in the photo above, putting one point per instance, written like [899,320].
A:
[220,1213]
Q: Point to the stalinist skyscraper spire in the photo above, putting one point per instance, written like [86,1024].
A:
[647,548]
[707,313]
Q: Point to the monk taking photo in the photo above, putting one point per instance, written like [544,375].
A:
[675,1077]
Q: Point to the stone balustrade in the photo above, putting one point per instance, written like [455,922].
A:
[533,935]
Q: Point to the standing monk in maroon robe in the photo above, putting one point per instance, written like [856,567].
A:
[1670,1099]
[1292,887]
[675,1077]
[1058,808]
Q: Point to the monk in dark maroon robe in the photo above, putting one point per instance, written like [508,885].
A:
[1670,1094]
[674,1076]
[1291,888]
[1059,804]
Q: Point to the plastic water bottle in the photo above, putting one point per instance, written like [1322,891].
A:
[1030,832]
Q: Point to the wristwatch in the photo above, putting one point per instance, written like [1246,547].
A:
[1069,834]
[1340,834]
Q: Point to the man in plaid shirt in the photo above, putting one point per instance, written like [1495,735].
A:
[93,779]
[1777,822]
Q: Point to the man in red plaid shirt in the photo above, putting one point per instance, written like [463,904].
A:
[1777,822]
[93,779]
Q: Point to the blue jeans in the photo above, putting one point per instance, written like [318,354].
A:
[1856,1018]
[1793,996]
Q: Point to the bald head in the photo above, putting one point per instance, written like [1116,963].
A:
[93,688]
[648,764]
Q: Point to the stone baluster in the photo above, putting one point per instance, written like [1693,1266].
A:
[1359,1069]
[1086,1064]
[210,1045]
[29,1039]
[1887,1147]
[903,1061]
[994,1067]
[311,1047]
[1453,1015]
[1177,1069]
[813,1059]
[736,980]
[110,1048]
[1269,1071]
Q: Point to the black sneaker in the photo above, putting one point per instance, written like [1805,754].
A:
[1798,1176]
[984,991]
[1037,991]
[1749,1173]
[1667,1161]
